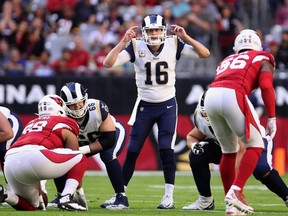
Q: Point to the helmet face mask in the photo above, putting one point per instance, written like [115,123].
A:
[51,105]
[247,40]
[154,21]
[73,93]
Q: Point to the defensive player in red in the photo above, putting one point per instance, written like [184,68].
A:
[233,116]
[47,149]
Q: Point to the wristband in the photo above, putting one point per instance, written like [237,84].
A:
[85,149]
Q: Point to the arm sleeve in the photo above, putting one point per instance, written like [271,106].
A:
[268,93]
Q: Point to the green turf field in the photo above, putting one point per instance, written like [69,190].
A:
[146,190]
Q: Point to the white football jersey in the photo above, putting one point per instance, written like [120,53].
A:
[5,111]
[155,72]
[89,127]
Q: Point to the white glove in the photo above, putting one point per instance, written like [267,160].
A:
[197,147]
[271,127]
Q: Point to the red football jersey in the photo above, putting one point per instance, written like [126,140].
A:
[46,131]
[241,71]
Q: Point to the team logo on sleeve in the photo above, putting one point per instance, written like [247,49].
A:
[105,107]
[141,53]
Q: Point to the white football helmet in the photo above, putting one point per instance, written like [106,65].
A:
[51,105]
[73,93]
[154,21]
[247,40]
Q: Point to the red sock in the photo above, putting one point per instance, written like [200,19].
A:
[23,205]
[227,170]
[247,166]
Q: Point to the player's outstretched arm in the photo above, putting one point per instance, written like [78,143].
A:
[110,59]
[201,50]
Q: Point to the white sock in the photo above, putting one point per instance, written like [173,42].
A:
[70,187]
[169,190]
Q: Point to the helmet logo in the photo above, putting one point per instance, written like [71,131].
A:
[58,101]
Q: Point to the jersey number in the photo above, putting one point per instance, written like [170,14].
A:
[233,63]
[161,76]
[35,127]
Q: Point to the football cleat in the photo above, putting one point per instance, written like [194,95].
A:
[80,199]
[231,210]
[54,203]
[121,203]
[236,198]
[108,202]
[203,203]
[286,202]
[166,203]
[66,203]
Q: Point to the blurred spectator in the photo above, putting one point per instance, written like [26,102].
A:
[201,22]
[19,13]
[86,12]
[100,56]
[79,54]
[15,65]
[228,28]
[101,37]
[21,36]
[179,8]
[281,57]
[4,51]
[35,45]
[7,24]
[65,65]
[168,16]
[273,48]
[115,20]
[281,15]
[42,67]
[66,22]
[56,6]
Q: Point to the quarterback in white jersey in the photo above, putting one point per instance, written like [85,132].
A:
[154,57]
[100,133]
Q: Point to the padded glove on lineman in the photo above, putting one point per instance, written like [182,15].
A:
[271,127]
[197,148]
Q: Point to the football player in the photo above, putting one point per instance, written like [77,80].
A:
[154,56]
[10,129]
[232,115]
[205,149]
[99,132]
[47,149]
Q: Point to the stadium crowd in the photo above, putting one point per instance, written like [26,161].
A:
[72,37]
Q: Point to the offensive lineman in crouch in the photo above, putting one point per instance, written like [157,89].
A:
[154,56]
[99,132]
[233,116]
[47,149]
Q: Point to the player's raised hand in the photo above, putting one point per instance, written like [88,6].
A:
[178,30]
[130,33]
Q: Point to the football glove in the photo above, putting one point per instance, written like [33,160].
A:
[197,148]
[271,127]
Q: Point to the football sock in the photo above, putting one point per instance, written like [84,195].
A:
[227,170]
[115,175]
[275,184]
[129,166]
[169,165]
[247,166]
[70,187]
[201,174]
[169,189]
